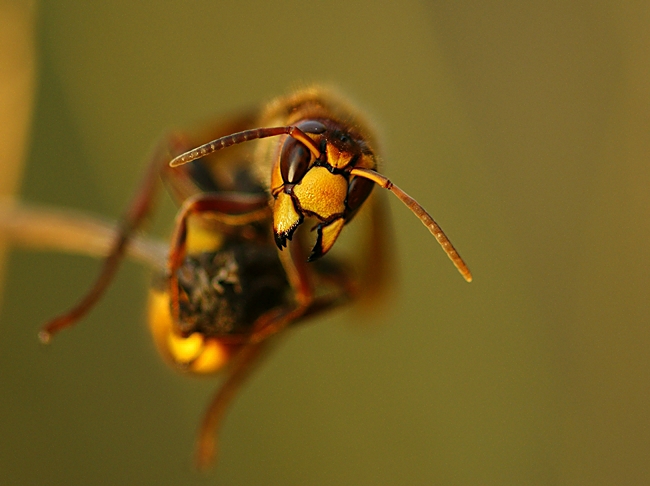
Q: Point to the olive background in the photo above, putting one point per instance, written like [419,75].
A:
[522,127]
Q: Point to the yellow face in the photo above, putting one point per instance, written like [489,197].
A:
[304,184]
[324,168]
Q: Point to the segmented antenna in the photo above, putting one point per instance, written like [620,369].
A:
[295,132]
[245,136]
[420,212]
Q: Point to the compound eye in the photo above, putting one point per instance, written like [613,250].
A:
[294,161]
[312,126]
[358,191]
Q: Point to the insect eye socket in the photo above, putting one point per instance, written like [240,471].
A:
[294,161]
[312,126]
[358,191]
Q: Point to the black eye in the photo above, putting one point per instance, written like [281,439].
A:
[312,126]
[294,161]
[358,191]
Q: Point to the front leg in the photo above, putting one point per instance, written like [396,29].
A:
[250,354]
[232,209]
[299,274]
[137,211]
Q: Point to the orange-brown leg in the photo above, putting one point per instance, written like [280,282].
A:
[299,274]
[244,362]
[233,209]
[137,211]
[374,268]
[206,446]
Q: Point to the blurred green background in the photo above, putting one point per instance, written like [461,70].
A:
[522,127]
